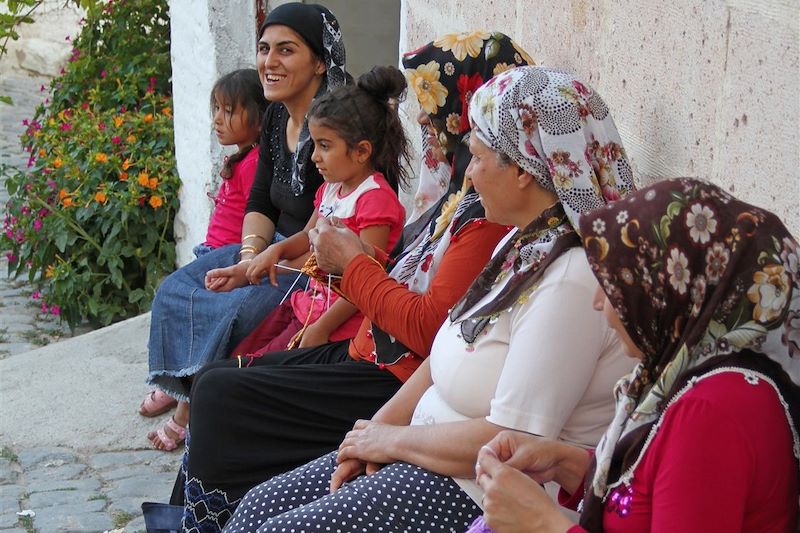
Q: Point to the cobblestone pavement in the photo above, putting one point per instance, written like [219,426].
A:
[69,490]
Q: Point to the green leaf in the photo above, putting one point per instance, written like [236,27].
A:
[6,100]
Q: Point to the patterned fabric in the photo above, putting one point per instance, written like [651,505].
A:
[432,182]
[558,129]
[333,54]
[695,276]
[451,67]
[446,72]
[457,202]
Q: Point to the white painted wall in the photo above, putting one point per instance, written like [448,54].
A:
[706,89]
[209,39]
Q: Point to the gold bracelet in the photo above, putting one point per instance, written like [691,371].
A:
[248,248]
[254,236]
[245,260]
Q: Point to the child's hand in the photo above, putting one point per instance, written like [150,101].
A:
[264,263]
[227,278]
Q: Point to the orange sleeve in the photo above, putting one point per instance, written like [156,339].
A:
[415,318]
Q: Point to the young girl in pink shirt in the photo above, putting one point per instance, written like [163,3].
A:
[237,105]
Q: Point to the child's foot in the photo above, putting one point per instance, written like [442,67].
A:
[169,436]
[156,403]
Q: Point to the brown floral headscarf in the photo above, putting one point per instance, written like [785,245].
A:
[696,276]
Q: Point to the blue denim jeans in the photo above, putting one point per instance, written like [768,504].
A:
[191,326]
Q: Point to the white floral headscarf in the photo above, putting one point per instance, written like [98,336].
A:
[559,130]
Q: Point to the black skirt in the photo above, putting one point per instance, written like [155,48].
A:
[284,409]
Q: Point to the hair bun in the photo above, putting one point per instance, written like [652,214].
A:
[383,83]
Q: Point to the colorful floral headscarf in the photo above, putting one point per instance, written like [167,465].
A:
[446,72]
[455,59]
[558,129]
[696,276]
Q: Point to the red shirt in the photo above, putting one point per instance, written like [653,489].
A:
[721,461]
[415,318]
[225,226]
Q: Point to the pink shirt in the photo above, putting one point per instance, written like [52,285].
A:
[721,461]
[225,226]
[373,203]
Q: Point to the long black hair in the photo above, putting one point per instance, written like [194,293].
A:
[368,111]
[240,89]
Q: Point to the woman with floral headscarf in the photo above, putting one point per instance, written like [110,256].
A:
[523,349]
[705,290]
[205,308]
[274,412]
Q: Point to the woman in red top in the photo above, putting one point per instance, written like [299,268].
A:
[706,290]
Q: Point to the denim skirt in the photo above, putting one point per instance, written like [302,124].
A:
[191,326]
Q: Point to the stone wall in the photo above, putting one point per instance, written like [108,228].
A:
[706,89]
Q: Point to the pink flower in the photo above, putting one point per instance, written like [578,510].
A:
[116,139]
[37,224]
[43,212]
[55,310]
[41,88]
[101,126]
[26,210]
[35,295]
[44,307]
[51,184]
[62,71]
[25,122]
[11,257]
[66,126]
[103,73]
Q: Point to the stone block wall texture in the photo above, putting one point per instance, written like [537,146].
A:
[705,89]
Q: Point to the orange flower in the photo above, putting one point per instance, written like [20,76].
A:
[66,201]
[48,273]
[42,153]
[123,176]
[130,139]
[101,197]
[101,158]
[155,202]
[144,179]
[118,121]
[167,111]
[153,183]
[57,163]
[126,164]
[62,194]
[148,118]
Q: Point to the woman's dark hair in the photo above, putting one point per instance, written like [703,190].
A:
[368,111]
[240,89]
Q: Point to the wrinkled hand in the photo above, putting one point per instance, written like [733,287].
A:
[227,278]
[536,457]
[314,335]
[512,501]
[368,442]
[264,263]
[334,245]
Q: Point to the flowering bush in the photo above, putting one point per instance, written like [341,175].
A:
[90,220]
